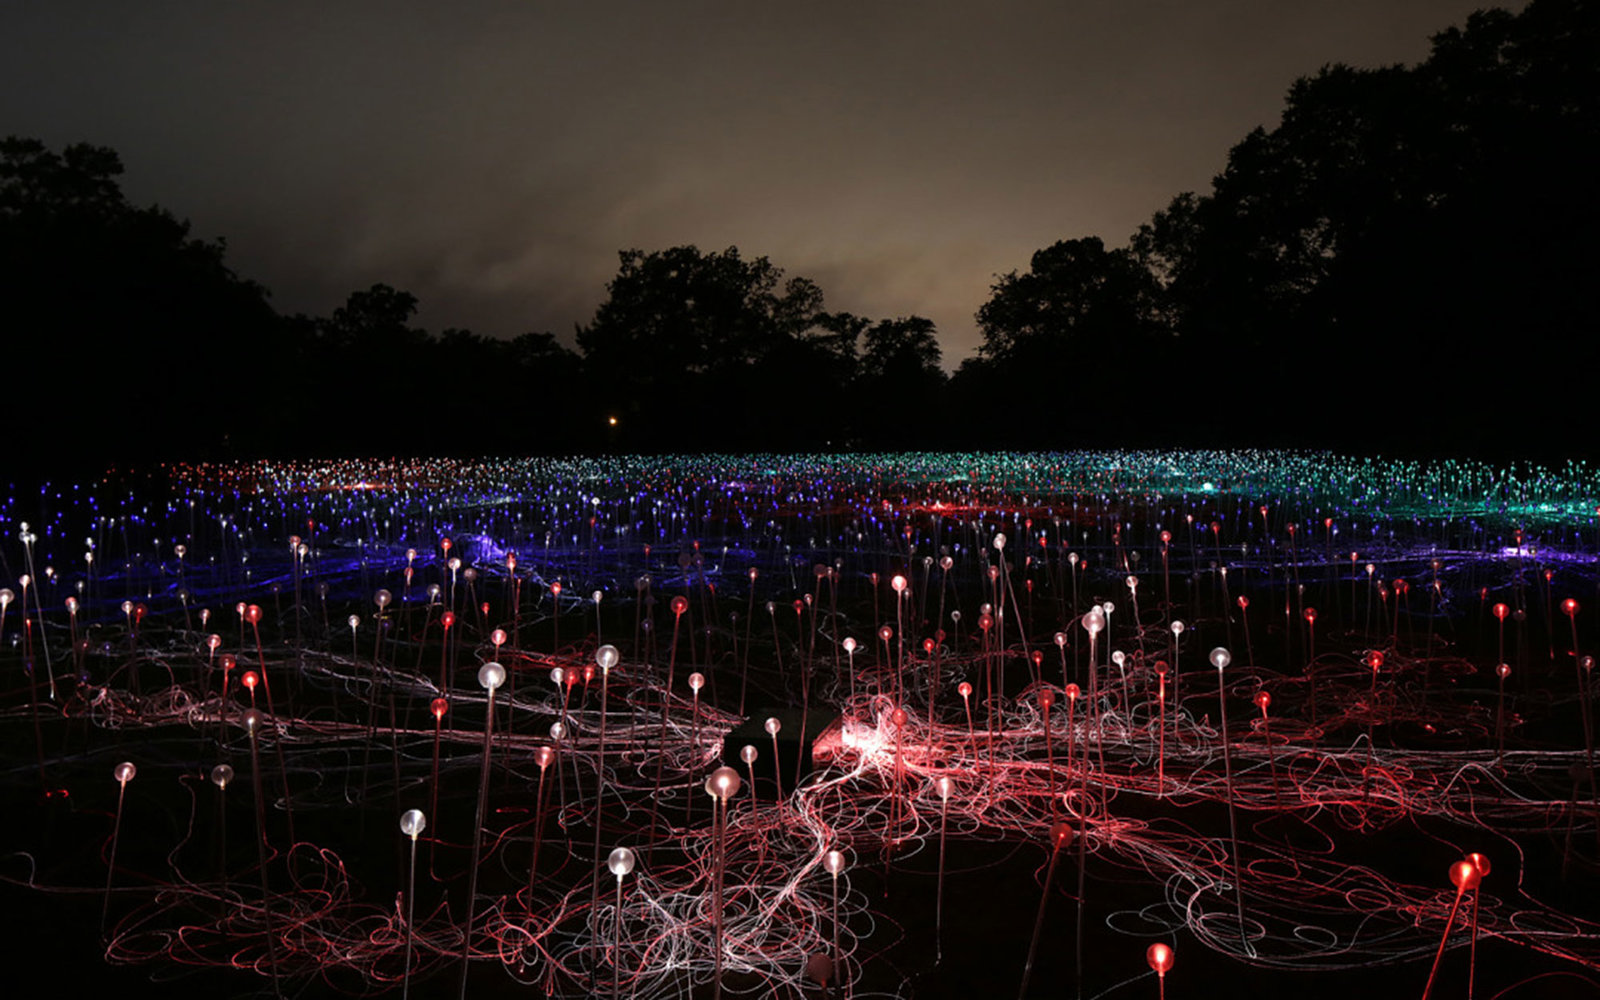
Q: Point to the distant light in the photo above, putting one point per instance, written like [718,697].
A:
[612,421]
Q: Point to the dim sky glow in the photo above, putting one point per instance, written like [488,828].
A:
[492,158]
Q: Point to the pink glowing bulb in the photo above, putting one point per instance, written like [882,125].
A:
[1159,956]
[438,707]
[898,718]
[1166,538]
[1503,671]
[212,641]
[964,689]
[544,756]
[849,645]
[1072,692]
[1094,621]
[885,633]
[679,605]
[898,583]
[607,657]
[1047,699]
[697,681]
[1060,639]
[833,861]
[252,613]
[723,783]
[772,726]
[748,754]
[498,637]
[944,786]
[382,598]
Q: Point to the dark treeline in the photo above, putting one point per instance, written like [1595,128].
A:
[1405,264]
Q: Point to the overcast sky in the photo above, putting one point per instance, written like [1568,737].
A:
[492,158]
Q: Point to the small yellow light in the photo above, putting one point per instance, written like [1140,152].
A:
[612,421]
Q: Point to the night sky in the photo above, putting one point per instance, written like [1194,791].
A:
[492,158]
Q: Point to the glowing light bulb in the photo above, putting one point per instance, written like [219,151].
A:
[438,707]
[491,675]
[1159,956]
[1177,628]
[1220,658]
[607,656]
[1263,701]
[412,823]
[833,861]
[849,645]
[697,681]
[1465,875]
[679,605]
[382,598]
[1062,834]
[221,775]
[747,753]
[1094,621]
[124,772]
[723,783]
[620,862]
[772,726]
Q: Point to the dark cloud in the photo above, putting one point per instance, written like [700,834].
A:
[492,158]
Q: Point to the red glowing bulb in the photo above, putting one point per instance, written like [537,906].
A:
[1465,875]
[1311,615]
[964,689]
[1072,691]
[1047,698]
[1244,602]
[1569,607]
[1479,862]
[679,605]
[1159,955]
[447,619]
[438,707]
[1500,611]
[555,588]
[1263,701]
[249,679]
[252,613]
[1503,671]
